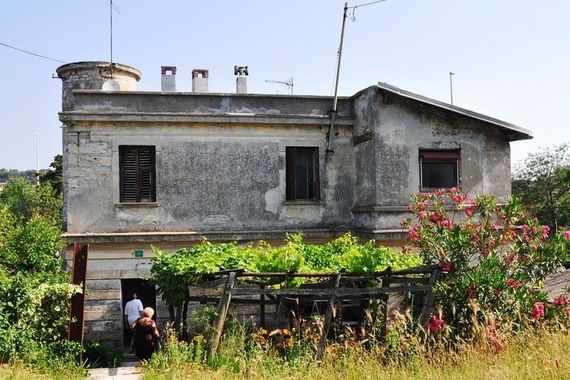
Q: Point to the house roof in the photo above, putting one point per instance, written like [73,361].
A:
[516,132]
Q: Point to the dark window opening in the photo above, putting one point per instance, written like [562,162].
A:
[137,174]
[439,169]
[302,173]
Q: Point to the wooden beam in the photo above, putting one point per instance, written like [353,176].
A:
[77,307]
[222,313]
[427,309]
[328,318]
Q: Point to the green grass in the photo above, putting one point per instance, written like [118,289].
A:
[536,357]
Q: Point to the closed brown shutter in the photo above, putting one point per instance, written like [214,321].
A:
[137,174]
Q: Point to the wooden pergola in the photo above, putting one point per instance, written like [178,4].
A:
[331,288]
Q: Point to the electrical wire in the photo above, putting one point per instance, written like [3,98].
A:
[31,53]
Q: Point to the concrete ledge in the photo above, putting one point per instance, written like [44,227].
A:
[181,117]
[196,236]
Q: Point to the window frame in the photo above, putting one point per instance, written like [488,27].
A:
[446,156]
[140,198]
[292,155]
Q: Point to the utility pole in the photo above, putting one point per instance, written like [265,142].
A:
[335,98]
[451,74]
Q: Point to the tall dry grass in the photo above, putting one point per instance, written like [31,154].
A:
[541,355]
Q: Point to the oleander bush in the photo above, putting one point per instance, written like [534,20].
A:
[496,258]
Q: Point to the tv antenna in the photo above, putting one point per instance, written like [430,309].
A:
[288,83]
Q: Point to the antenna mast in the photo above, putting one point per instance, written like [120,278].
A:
[111,34]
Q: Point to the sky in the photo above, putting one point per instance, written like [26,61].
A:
[510,57]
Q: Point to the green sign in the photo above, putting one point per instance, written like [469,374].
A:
[139,253]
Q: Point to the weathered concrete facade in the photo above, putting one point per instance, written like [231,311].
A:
[221,169]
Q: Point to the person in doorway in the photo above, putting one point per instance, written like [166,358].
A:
[133,311]
[146,334]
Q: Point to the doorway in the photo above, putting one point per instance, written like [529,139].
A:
[146,293]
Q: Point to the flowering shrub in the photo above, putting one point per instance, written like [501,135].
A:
[493,255]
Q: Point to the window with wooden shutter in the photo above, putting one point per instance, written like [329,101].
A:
[439,169]
[302,173]
[137,174]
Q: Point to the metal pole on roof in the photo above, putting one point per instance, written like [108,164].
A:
[451,74]
[335,99]
[334,110]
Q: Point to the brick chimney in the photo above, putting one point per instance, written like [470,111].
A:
[199,80]
[241,80]
[168,78]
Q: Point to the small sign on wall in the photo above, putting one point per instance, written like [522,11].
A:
[139,253]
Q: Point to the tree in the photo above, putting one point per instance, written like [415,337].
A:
[542,182]
[54,175]
[24,200]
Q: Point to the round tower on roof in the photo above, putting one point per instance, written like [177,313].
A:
[92,75]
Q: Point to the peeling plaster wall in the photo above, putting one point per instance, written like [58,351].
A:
[209,178]
[401,127]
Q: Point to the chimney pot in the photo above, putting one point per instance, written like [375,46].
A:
[241,81]
[168,78]
[199,80]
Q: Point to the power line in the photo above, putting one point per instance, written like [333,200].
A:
[31,53]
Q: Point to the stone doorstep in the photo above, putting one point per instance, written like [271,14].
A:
[127,372]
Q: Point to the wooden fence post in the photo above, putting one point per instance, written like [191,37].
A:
[222,313]
[328,318]
[427,309]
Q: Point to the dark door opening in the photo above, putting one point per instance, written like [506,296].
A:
[146,293]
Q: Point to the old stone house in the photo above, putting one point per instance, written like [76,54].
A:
[170,168]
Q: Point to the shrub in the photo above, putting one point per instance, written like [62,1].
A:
[34,293]
[495,258]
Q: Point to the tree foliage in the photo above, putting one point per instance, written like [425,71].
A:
[542,182]
[25,200]
[34,288]
[54,176]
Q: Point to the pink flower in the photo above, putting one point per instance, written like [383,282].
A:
[444,266]
[447,223]
[469,210]
[471,290]
[537,311]
[524,228]
[435,324]
[545,231]
[498,292]
[567,312]
[474,237]
[457,198]
[567,235]
[560,301]
[414,232]
[435,217]
[496,227]
[513,283]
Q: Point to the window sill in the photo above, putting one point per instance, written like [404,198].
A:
[137,204]
[304,202]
